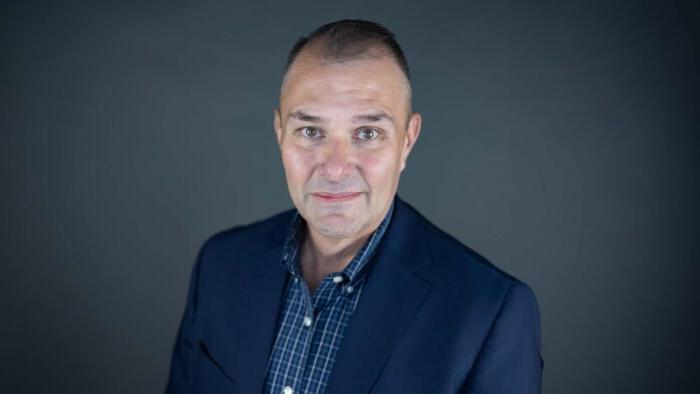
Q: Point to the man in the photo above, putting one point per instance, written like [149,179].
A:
[353,291]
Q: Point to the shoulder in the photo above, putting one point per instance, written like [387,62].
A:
[458,269]
[249,239]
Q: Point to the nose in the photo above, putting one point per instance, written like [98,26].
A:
[336,161]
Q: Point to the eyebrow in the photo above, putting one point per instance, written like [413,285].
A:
[377,117]
[373,117]
[304,117]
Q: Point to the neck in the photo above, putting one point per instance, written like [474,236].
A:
[321,255]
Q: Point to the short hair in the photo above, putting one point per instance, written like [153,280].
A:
[349,39]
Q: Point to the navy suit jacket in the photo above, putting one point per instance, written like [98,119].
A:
[434,317]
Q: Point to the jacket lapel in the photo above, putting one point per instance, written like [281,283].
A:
[390,299]
[264,293]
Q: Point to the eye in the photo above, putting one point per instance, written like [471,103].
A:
[368,134]
[310,132]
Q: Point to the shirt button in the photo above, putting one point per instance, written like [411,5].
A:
[349,289]
[296,279]
[337,279]
[307,321]
[287,390]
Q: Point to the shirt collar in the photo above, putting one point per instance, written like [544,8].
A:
[357,266]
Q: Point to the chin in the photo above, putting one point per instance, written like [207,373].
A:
[336,226]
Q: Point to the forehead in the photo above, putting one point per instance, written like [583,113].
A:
[366,82]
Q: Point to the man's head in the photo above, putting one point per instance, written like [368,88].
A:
[345,126]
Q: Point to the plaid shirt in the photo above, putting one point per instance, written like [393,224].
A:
[310,328]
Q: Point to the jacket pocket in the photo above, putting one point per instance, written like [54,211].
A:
[212,376]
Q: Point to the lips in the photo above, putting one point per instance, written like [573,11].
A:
[335,197]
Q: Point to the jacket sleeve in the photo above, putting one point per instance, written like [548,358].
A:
[181,379]
[510,360]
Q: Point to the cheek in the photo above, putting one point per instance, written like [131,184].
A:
[379,168]
[298,164]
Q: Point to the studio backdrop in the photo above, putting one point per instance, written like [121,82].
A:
[559,140]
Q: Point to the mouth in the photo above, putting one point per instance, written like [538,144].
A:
[335,197]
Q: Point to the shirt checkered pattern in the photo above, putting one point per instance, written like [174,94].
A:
[310,328]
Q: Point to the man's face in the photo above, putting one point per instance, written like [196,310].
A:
[344,132]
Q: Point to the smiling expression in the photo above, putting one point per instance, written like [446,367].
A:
[344,130]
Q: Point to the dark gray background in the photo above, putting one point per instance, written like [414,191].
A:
[559,140]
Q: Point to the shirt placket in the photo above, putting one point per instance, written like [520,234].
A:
[324,299]
[305,325]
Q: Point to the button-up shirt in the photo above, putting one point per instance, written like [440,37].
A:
[310,328]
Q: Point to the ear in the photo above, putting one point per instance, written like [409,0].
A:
[412,132]
[278,125]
